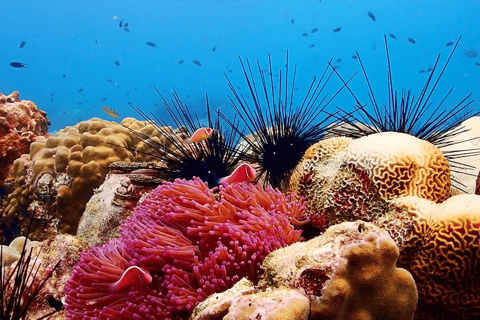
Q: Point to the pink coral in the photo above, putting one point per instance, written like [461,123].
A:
[194,241]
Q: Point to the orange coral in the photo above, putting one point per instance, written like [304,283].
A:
[21,123]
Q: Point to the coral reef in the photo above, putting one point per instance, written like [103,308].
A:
[57,178]
[193,241]
[21,123]
[442,250]
[344,179]
[115,200]
[347,273]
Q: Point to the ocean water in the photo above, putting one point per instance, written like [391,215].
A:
[73,45]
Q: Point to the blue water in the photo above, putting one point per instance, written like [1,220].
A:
[60,40]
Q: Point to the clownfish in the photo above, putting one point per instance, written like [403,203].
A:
[133,276]
[199,135]
[243,173]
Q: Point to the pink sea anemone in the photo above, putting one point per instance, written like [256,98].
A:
[186,241]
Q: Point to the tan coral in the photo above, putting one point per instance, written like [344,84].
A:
[442,251]
[59,175]
[272,304]
[348,271]
[346,179]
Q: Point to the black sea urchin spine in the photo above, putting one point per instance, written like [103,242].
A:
[209,160]
[405,114]
[279,132]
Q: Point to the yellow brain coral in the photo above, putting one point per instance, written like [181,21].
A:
[442,251]
[58,176]
[345,179]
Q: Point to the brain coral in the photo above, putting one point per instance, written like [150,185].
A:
[442,251]
[193,241]
[21,123]
[57,178]
[344,179]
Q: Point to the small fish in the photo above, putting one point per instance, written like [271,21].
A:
[96,41]
[80,90]
[429,69]
[125,25]
[339,60]
[103,99]
[422,71]
[109,80]
[392,36]
[372,16]
[126,29]
[151,44]
[311,46]
[135,89]
[337,29]
[111,112]
[64,76]
[129,103]
[314,30]
[79,103]
[229,70]
[214,48]
[449,43]
[120,24]
[354,57]
[199,135]
[22,44]
[52,94]
[305,34]
[132,277]
[374,47]
[477,64]
[411,40]
[51,99]
[470,53]
[18,65]
[243,173]
[117,63]
[197,63]
[180,62]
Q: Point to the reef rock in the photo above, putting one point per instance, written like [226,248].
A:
[114,201]
[21,123]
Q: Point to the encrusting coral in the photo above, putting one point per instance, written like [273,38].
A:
[185,241]
[344,179]
[57,178]
[21,123]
